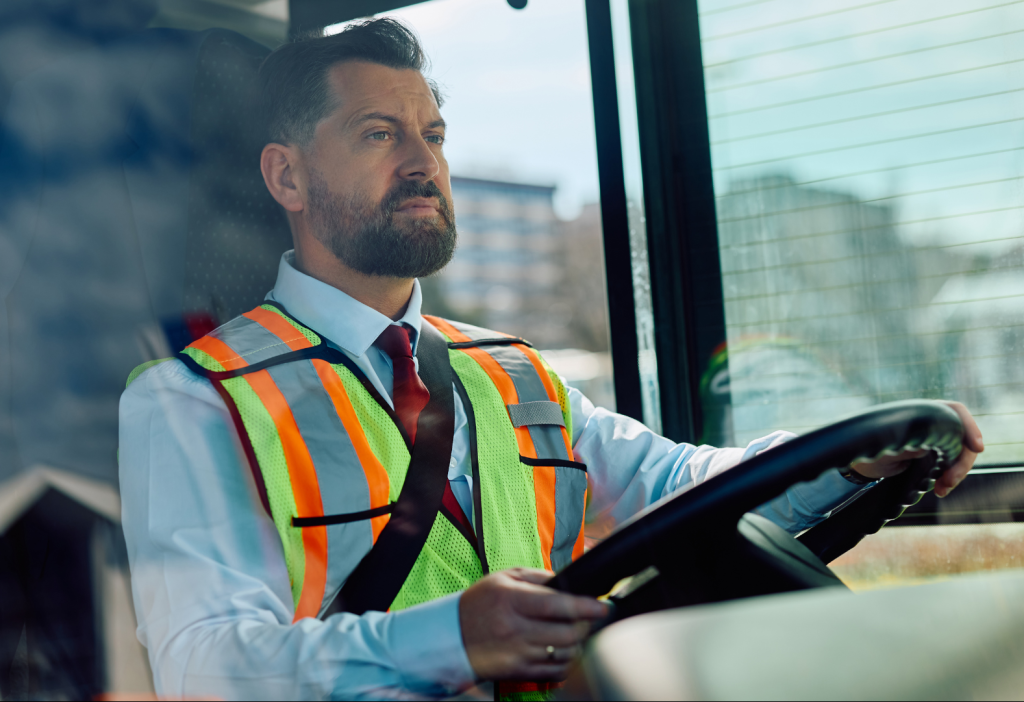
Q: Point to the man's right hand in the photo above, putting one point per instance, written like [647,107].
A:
[509,621]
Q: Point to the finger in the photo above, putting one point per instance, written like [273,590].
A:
[543,634]
[544,603]
[972,434]
[552,654]
[956,474]
[537,576]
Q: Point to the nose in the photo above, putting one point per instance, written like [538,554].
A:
[419,162]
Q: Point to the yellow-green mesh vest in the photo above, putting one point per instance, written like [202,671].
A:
[507,518]
[448,562]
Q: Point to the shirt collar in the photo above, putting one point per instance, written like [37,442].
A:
[341,318]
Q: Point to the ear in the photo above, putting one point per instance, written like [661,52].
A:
[279,164]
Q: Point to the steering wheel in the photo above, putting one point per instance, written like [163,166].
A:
[702,546]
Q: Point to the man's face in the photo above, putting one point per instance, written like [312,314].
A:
[379,192]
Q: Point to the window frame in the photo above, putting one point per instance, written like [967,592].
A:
[682,228]
[679,200]
[682,235]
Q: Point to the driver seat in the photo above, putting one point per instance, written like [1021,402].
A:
[134,219]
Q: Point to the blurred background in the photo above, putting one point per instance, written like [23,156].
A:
[862,237]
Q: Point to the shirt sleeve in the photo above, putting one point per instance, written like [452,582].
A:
[629,467]
[209,581]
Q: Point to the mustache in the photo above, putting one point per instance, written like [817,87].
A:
[409,189]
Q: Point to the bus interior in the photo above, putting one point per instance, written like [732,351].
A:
[722,218]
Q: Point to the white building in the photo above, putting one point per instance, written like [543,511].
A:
[507,271]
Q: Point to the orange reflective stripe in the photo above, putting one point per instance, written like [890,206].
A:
[543,476]
[509,396]
[498,376]
[544,493]
[305,487]
[279,326]
[549,387]
[220,352]
[577,549]
[376,477]
[447,329]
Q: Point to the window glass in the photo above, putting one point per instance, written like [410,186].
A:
[867,161]
[916,554]
[135,220]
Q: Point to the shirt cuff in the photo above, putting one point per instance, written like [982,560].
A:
[834,490]
[427,646]
[806,504]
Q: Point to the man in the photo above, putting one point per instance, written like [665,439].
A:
[259,470]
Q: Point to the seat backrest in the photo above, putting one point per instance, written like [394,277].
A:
[237,232]
[137,218]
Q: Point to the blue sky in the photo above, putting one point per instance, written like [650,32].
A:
[896,70]
[518,91]
[519,101]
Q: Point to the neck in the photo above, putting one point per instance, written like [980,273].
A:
[389,296]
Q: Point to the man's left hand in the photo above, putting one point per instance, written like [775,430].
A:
[887,466]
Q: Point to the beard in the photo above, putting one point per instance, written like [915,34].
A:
[365,237]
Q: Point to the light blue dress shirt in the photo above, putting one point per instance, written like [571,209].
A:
[209,581]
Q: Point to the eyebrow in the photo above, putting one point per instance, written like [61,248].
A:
[391,119]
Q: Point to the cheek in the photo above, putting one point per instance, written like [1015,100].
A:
[366,186]
[444,181]
[355,174]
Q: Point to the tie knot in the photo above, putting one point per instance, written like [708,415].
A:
[394,341]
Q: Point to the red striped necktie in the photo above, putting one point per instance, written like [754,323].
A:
[410,396]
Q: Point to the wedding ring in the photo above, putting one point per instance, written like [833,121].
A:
[551,653]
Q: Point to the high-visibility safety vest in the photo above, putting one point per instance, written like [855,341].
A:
[330,457]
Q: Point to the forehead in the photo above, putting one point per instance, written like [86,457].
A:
[369,87]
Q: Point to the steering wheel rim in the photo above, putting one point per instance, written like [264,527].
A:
[719,503]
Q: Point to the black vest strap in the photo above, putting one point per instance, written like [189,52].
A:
[375,582]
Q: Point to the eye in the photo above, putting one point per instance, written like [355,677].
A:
[380,136]
[435,139]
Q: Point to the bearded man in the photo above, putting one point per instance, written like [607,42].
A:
[335,497]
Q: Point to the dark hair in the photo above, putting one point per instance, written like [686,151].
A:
[295,93]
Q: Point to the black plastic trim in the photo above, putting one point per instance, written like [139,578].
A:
[329,519]
[564,463]
[321,352]
[496,341]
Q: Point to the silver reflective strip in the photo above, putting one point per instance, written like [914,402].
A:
[547,439]
[251,341]
[343,487]
[570,483]
[474,333]
[570,493]
[541,412]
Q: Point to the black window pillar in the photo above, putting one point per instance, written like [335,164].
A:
[614,213]
[682,237]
